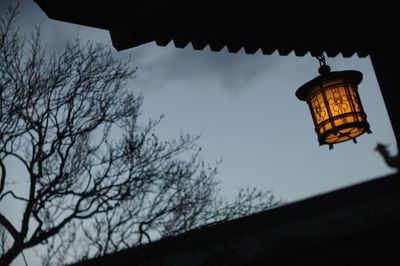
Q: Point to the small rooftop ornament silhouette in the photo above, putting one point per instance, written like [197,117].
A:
[391,161]
[335,105]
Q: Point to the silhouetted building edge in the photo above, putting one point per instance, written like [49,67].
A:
[357,225]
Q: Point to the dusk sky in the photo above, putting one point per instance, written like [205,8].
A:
[245,109]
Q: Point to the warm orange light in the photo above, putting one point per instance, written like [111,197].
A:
[335,106]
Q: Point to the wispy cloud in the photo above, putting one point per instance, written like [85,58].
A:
[159,66]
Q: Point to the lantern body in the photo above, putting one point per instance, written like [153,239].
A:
[335,106]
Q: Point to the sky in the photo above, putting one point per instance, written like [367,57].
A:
[245,110]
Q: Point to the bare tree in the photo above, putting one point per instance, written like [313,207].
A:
[94,179]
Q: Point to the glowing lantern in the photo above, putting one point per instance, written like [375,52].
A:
[335,105]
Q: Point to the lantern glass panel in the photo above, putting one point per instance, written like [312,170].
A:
[336,111]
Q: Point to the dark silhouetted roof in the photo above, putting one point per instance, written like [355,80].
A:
[330,26]
[358,225]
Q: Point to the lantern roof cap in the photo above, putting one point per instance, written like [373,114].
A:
[351,76]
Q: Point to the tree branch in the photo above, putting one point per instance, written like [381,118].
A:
[13,195]
[3,176]
[10,228]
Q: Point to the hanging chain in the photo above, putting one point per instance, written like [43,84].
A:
[321,60]
[323,67]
